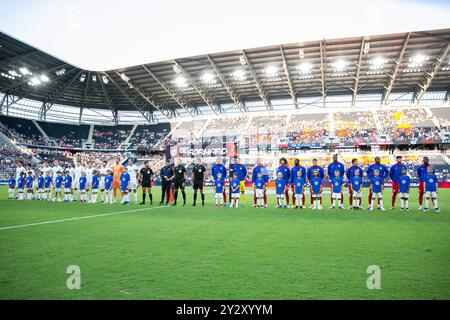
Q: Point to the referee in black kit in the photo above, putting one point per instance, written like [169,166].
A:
[179,181]
[146,178]
[198,180]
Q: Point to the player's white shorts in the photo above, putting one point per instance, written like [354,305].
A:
[11,190]
[379,195]
[235,195]
[76,183]
[431,194]
[315,195]
[404,195]
[259,193]
[280,196]
[218,196]
[335,195]
[298,196]
[87,186]
[57,189]
[133,185]
[357,194]
[101,184]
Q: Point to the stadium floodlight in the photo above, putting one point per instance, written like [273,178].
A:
[44,78]
[105,79]
[14,73]
[366,48]
[271,71]
[208,78]
[176,68]
[94,78]
[301,53]
[239,75]
[35,81]
[83,77]
[60,72]
[180,81]
[417,60]
[339,65]
[242,60]
[305,67]
[124,77]
[25,71]
[377,63]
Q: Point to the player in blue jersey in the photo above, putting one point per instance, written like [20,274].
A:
[394,173]
[260,168]
[350,174]
[48,182]
[219,187]
[405,182]
[235,190]
[356,187]
[109,178]
[286,173]
[21,186]
[29,180]
[58,186]
[241,172]
[309,175]
[124,186]
[259,187]
[217,168]
[431,188]
[299,183]
[67,186]
[382,170]
[376,189]
[280,190]
[336,190]
[82,186]
[11,186]
[421,173]
[294,175]
[331,171]
[40,186]
[316,190]
[94,186]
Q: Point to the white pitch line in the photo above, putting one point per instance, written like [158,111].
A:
[77,218]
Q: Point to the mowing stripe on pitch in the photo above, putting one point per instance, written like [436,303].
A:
[77,218]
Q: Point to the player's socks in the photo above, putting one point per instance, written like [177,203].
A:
[143,197]
[435,202]
[237,203]
[203,198]
[195,198]
[183,194]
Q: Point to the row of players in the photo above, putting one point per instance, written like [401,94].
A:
[175,177]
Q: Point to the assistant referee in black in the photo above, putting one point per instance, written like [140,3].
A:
[179,181]
[198,180]
[146,178]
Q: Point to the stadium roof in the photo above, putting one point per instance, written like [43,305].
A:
[226,82]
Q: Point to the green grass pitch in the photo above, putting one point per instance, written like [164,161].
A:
[209,253]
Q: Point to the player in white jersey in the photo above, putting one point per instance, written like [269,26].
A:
[103,173]
[133,171]
[76,182]
[55,169]
[89,168]
[20,169]
[46,168]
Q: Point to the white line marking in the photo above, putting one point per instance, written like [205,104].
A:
[78,218]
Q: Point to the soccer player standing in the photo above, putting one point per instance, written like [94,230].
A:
[310,173]
[260,168]
[125,186]
[133,171]
[294,175]
[331,171]
[179,182]
[166,174]
[422,173]
[117,170]
[198,180]
[350,174]
[103,174]
[336,190]
[382,171]
[218,167]
[405,182]
[286,173]
[241,171]
[280,189]
[376,189]
[431,187]
[316,190]
[11,186]
[394,173]
[146,177]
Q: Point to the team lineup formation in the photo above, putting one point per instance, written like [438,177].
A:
[88,182]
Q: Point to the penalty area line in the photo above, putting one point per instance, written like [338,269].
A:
[77,218]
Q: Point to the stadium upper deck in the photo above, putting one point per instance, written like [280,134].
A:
[400,69]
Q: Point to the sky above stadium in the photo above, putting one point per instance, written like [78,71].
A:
[107,34]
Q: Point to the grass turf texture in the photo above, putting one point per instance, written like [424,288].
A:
[209,253]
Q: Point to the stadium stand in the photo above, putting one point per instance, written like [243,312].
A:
[442,115]
[355,127]
[110,137]
[308,128]
[22,130]
[148,136]
[66,135]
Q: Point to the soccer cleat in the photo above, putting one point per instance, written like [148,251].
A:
[393,208]
[425,209]
[370,209]
[420,208]
[311,206]
[407,209]
[437,210]
[382,209]
[142,203]
[341,207]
